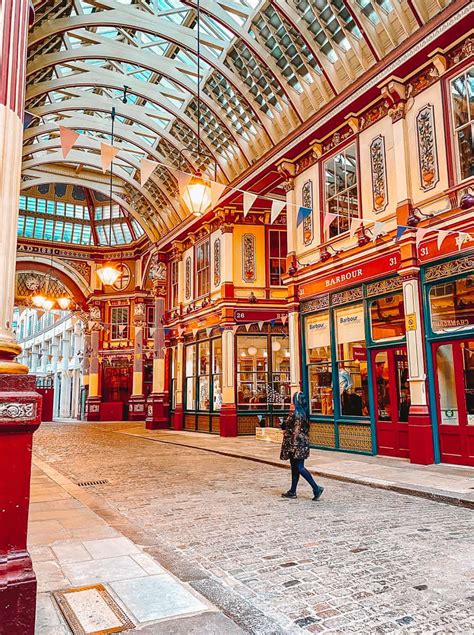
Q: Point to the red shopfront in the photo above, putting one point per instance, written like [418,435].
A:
[355,362]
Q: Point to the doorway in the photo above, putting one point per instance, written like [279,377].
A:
[392,400]
[454,384]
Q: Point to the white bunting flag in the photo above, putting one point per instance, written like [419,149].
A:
[208,330]
[235,328]
[195,332]
[462,238]
[247,326]
[378,230]
[260,325]
[147,168]
[442,235]
[328,218]
[121,329]
[216,192]
[249,200]
[152,331]
[420,234]
[284,319]
[183,179]
[277,208]
[355,224]
[107,155]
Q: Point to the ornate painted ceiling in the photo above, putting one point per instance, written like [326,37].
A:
[266,67]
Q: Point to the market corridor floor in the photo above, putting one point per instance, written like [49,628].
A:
[360,560]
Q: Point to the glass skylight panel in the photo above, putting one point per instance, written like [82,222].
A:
[233,103]
[137,228]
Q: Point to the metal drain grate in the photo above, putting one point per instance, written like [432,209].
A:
[92,483]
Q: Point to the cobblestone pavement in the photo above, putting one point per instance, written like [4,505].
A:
[358,561]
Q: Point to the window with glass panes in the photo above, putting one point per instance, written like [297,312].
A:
[462,106]
[203,375]
[202,268]
[174,277]
[150,321]
[119,323]
[277,251]
[341,190]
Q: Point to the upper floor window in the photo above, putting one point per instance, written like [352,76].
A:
[202,268]
[277,251]
[341,190]
[462,101]
[174,277]
[119,323]
[150,320]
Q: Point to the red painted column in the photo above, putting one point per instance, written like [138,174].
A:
[20,404]
[20,416]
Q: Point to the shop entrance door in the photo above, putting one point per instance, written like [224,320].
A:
[392,400]
[454,381]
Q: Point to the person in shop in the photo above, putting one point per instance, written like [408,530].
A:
[295,447]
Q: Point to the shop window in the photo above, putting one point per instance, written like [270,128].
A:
[277,251]
[462,105]
[353,390]
[174,278]
[263,372]
[452,305]
[467,349]
[173,376]
[217,374]
[202,268]
[119,323]
[448,402]
[190,377]
[204,366]
[341,190]
[318,360]
[387,318]
[116,384]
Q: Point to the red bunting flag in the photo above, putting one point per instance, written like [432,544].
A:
[68,139]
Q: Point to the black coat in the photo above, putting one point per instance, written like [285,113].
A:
[295,444]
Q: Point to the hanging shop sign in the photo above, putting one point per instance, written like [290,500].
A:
[428,250]
[249,315]
[358,273]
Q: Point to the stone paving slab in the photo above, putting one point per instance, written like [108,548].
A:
[445,483]
[71,546]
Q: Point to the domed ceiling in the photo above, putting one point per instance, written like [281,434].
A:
[266,67]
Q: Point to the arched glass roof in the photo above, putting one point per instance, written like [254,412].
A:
[74,214]
[266,66]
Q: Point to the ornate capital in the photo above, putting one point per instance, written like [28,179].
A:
[397,111]
[289,184]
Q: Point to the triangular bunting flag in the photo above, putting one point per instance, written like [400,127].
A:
[260,325]
[39,314]
[208,330]
[121,329]
[152,331]
[442,235]
[183,179]
[328,218]
[401,229]
[249,200]
[277,208]
[378,230]
[107,155]
[284,319]
[235,328]
[355,224]
[462,238]
[420,234]
[216,192]
[247,326]
[68,139]
[303,212]
[195,332]
[147,168]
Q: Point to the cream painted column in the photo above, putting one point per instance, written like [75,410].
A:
[227,255]
[94,363]
[13,38]
[295,352]
[139,324]
[64,405]
[228,412]
[158,401]
[158,345]
[415,339]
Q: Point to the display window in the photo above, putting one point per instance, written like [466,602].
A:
[462,109]
[318,350]
[173,376]
[263,372]
[203,375]
[452,305]
[352,377]
[387,318]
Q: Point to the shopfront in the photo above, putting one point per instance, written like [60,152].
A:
[449,318]
[355,364]
[262,376]
[202,391]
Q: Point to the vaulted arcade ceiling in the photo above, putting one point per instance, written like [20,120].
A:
[266,66]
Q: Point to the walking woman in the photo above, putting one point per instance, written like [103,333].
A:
[295,447]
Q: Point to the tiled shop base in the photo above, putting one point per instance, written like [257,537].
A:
[91,609]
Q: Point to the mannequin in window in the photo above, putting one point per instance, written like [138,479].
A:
[351,403]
